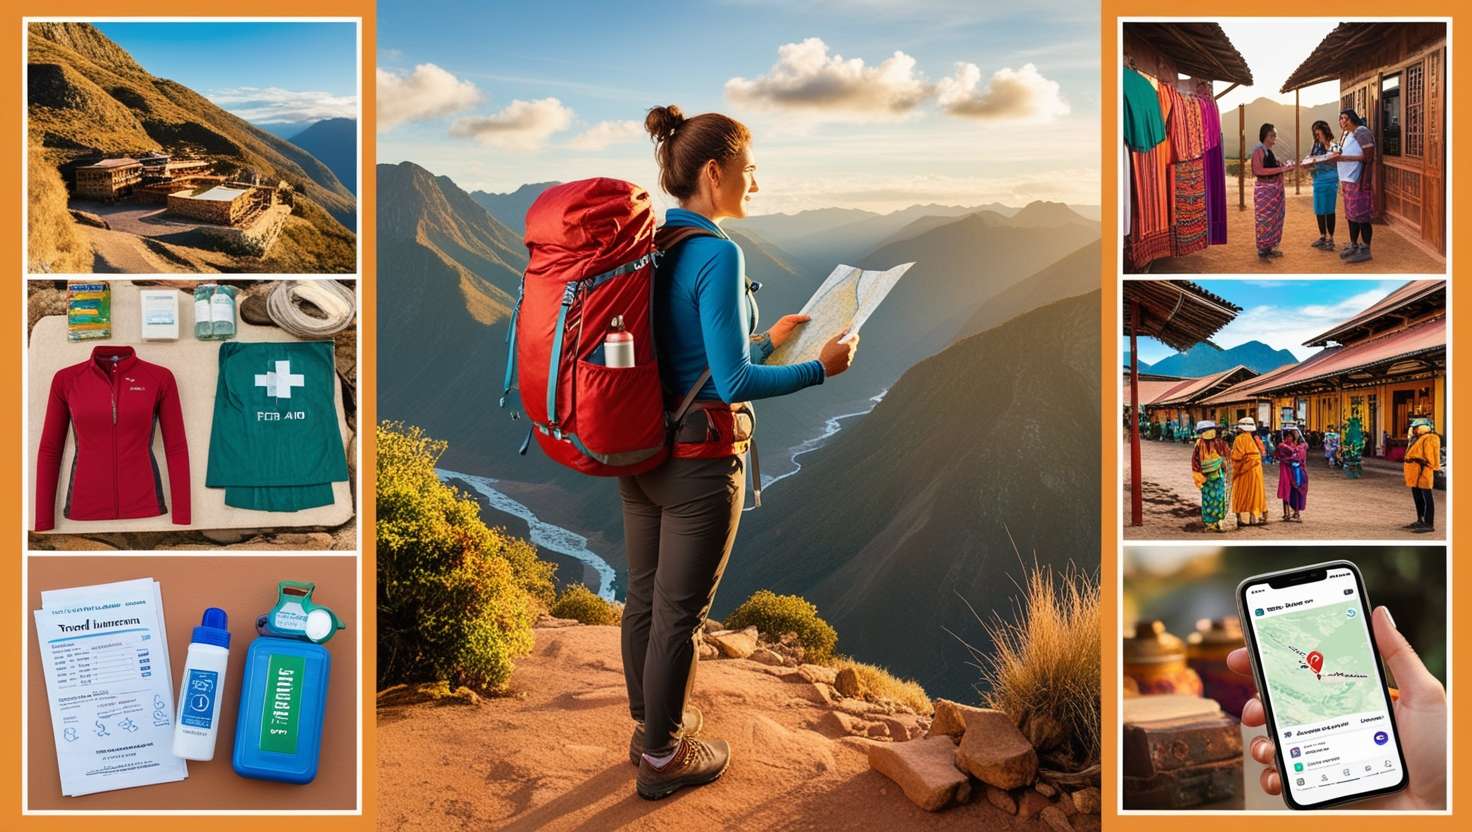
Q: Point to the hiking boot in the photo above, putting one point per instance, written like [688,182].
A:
[689,726]
[695,763]
[1359,256]
[1349,248]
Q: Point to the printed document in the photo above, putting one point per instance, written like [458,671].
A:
[844,301]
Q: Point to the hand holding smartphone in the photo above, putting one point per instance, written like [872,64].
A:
[1320,680]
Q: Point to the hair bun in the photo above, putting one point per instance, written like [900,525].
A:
[662,122]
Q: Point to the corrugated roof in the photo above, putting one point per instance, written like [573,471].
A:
[1247,389]
[1200,50]
[1185,392]
[1402,296]
[1151,389]
[1417,339]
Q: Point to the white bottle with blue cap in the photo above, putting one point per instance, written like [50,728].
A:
[199,692]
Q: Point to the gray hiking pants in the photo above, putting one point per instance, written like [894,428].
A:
[679,525]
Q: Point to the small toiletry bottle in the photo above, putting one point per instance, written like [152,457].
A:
[199,692]
[618,345]
[202,328]
[222,312]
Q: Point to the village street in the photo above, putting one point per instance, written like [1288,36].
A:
[1374,507]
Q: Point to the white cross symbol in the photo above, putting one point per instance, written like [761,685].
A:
[279,382]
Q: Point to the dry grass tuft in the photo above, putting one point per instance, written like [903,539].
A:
[1044,666]
[54,245]
[881,684]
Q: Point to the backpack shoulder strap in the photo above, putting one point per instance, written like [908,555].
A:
[666,238]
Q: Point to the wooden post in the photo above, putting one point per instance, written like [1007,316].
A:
[1297,177]
[1241,157]
[1137,505]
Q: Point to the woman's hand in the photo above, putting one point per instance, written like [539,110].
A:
[838,353]
[784,327]
[1420,715]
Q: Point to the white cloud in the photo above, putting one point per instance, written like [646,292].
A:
[426,93]
[1011,94]
[273,105]
[1287,327]
[520,125]
[605,133]
[806,77]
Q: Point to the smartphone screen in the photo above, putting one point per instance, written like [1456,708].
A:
[1320,680]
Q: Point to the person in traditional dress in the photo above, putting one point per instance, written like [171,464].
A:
[1249,496]
[1209,470]
[1422,460]
[1331,446]
[1269,202]
[1326,183]
[1292,456]
[1355,160]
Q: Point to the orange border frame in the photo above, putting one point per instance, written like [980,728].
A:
[1111,509]
[11,502]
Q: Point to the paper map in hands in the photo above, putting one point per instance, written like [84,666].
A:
[844,301]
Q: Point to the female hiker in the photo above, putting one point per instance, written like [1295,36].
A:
[1268,201]
[1421,462]
[1249,497]
[1292,456]
[1356,180]
[680,519]
[1208,469]
[1326,183]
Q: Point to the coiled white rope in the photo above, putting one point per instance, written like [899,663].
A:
[287,301]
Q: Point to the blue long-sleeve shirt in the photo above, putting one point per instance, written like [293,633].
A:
[705,317]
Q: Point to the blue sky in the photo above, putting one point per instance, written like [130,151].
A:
[987,101]
[285,72]
[1281,313]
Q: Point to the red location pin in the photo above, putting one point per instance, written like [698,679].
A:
[1315,662]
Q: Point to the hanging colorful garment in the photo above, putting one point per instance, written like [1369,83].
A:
[275,443]
[1144,124]
[1189,232]
[1127,188]
[1150,227]
[1214,169]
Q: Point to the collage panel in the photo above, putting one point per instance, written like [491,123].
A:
[264,714]
[1355,704]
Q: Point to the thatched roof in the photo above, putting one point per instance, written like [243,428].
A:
[1200,50]
[1327,61]
[1178,313]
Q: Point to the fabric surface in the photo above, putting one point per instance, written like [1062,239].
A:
[1184,127]
[1425,502]
[1354,143]
[1359,201]
[1269,207]
[112,402]
[1294,494]
[1214,171]
[1248,493]
[705,317]
[274,442]
[1189,232]
[680,522]
[1150,226]
[1208,469]
[1422,460]
[1144,125]
[1326,195]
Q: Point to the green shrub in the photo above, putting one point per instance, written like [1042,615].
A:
[585,606]
[774,614]
[456,599]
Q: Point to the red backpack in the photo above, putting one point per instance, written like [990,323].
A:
[592,259]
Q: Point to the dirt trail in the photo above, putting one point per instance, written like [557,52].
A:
[554,756]
[1373,507]
[1394,254]
[118,252]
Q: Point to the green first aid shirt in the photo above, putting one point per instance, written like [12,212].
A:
[275,444]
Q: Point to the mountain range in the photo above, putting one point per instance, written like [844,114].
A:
[963,475]
[1262,111]
[335,142]
[1205,358]
[87,97]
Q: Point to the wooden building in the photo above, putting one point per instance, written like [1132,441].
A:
[108,179]
[1384,365]
[1395,76]
[1183,403]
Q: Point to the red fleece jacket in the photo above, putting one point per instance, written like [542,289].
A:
[112,402]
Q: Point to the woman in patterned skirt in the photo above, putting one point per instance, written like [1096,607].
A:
[1209,470]
[1268,200]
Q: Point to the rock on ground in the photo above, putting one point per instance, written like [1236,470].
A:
[995,752]
[923,769]
[950,718]
[735,644]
